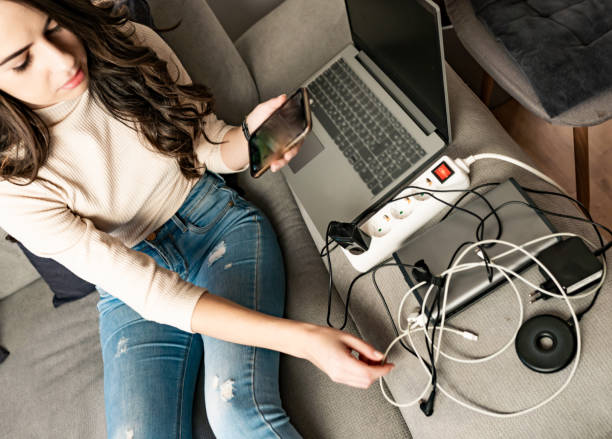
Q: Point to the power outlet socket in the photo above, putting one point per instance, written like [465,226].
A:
[390,227]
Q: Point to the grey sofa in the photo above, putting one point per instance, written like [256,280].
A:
[52,381]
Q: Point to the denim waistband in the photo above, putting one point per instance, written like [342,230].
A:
[206,183]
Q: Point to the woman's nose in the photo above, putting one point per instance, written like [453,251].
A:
[58,58]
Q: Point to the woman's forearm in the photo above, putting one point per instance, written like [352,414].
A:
[234,149]
[220,318]
[328,349]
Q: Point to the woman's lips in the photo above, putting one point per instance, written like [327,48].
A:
[75,80]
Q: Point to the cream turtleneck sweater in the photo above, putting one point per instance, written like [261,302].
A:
[101,191]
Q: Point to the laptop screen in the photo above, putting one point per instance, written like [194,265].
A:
[402,38]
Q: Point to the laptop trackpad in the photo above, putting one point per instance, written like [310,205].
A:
[309,150]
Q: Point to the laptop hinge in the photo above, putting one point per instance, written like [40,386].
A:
[398,96]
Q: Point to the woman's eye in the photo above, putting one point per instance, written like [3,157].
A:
[54,28]
[22,67]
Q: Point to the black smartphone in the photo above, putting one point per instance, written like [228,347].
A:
[280,132]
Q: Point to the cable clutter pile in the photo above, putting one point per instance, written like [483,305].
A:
[573,268]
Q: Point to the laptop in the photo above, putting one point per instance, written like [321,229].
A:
[437,244]
[380,113]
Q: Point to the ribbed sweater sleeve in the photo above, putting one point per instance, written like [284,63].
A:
[47,227]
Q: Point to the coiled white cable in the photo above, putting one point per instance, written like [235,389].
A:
[457,267]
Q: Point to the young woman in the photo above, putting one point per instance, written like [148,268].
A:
[108,164]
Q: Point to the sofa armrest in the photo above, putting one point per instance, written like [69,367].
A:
[287,46]
[208,54]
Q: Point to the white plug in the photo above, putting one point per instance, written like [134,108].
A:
[418,322]
[411,318]
[470,335]
[463,164]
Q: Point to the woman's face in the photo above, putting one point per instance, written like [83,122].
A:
[41,63]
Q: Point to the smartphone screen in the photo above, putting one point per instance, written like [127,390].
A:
[271,139]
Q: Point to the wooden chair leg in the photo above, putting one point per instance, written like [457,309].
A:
[581,164]
[486,88]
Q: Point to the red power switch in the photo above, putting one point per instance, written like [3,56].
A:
[442,172]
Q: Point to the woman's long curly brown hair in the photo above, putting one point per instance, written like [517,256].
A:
[130,81]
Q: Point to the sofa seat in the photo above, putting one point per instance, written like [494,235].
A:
[52,381]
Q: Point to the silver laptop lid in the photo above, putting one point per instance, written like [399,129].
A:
[404,39]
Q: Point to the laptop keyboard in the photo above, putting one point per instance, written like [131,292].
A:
[369,136]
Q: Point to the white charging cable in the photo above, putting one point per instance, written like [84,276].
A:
[465,164]
[458,267]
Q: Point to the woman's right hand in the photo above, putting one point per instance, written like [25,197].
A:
[331,351]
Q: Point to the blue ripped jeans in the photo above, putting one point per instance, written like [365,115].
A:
[221,242]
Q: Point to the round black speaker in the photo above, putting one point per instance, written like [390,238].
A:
[546,343]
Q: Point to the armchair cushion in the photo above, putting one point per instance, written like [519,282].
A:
[559,46]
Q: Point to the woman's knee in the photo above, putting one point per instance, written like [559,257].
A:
[230,417]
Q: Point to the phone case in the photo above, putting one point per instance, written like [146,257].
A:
[297,139]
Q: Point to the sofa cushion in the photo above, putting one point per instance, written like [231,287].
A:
[208,54]
[15,270]
[290,43]
[235,24]
[51,383]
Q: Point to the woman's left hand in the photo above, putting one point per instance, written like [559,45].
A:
[260,113]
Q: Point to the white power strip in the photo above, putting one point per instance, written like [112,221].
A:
[390,227]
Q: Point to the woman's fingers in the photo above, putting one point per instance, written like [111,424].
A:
[271,105]
[332,351]
[367,366]
[362,374]
[370,371]
[262,111]
[291,153]
[364,369]
[362,347]
[277,164]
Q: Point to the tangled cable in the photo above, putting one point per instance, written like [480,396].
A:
[418,322]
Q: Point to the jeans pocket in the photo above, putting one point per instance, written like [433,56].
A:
[210,211]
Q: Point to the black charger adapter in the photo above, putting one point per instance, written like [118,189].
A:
[349,236]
